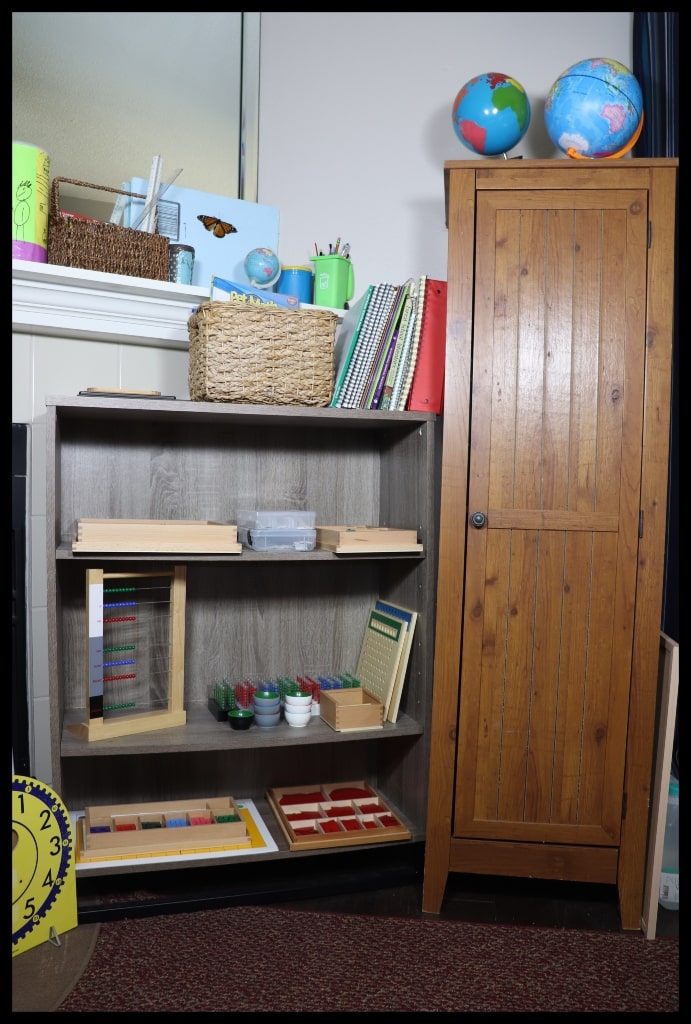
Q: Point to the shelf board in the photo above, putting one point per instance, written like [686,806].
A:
[162,410]
[64,552]
[203,733]
[135,866]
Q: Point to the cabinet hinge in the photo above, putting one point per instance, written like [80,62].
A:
[623,805]
[641,515]
[650,234]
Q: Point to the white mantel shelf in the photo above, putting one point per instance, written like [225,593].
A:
[68,303]
[64,302]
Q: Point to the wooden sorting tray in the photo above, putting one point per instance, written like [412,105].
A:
[184,536]
[146,828]
[335,814]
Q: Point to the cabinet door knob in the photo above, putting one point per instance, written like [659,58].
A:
[478,519]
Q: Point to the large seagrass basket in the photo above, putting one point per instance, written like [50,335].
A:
[261,354]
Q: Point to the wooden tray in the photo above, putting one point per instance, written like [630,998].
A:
[149,829]
[363,540]
[188,536]
[314,817]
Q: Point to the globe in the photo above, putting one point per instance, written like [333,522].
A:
[262,267]
[595,109]
[491,113]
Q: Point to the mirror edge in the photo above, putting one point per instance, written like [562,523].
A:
[249,107]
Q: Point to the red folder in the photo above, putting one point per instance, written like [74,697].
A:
[427,389]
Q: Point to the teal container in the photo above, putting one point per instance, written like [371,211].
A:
[669,877]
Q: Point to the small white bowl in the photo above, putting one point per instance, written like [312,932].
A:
[299,700]
[297,718]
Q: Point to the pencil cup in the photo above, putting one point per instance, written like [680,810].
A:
[180,263]
[334,281]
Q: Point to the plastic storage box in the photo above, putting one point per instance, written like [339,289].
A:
[275,530]
[263,519]
[278,540]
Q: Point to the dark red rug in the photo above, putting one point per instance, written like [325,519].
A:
[255,958]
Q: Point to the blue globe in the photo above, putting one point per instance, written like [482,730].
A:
[594,109]
[491,113]
[262,267]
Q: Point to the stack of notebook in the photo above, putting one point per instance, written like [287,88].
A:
[391,348]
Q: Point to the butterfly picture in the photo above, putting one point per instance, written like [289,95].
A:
[220,228]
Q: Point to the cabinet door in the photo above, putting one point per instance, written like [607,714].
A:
[555,470]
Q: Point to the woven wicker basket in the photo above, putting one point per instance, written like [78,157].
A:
[261,354]
[98,245]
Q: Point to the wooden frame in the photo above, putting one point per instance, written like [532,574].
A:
[97,726]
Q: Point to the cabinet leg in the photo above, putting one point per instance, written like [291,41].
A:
[433,886]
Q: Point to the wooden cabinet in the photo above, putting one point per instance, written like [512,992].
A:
[256,614]
[552,528]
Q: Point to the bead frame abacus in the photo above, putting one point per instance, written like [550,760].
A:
[170,710]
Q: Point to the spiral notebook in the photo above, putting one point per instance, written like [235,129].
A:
[363,356]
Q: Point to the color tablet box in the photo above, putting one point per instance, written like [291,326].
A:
[357,815]
[183,825]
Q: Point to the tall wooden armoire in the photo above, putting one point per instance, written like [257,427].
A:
[553,515]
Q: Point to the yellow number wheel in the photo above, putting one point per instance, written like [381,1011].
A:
[43,882]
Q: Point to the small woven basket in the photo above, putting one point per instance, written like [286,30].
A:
[100,245]
[261,354]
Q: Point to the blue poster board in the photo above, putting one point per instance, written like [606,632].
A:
[217,250]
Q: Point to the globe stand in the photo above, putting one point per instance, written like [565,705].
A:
[575,155]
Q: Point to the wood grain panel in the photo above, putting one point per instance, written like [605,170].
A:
[538,738]
[567,447]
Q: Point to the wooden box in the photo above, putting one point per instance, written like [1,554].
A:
[186,536]
[334,814]
[168,826]
[364,540]
[351,709]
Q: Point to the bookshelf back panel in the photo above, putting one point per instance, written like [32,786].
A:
[253,620]
[185,471]
[239,773]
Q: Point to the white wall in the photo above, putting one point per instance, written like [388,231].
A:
[355,120]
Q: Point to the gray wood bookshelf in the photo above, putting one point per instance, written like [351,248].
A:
[252,614]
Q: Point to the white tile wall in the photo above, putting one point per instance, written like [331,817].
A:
[47,364]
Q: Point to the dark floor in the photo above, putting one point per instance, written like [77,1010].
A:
[487,899]
[382,881]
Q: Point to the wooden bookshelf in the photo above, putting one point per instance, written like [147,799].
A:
[248,614]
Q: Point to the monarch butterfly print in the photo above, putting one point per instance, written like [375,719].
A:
[220,228]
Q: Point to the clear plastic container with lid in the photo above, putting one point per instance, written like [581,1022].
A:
[669,876]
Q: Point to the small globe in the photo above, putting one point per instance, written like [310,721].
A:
[594,109]
[491,113]
[262,267]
